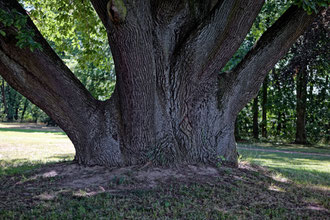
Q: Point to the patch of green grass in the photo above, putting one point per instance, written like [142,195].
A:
[300,168]
[320,149]
[23,150]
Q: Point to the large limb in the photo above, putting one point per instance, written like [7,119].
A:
[218,37]
[246,79]
[44,79]
[129,28]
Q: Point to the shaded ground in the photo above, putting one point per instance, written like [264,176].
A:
[35,185]
[66,190]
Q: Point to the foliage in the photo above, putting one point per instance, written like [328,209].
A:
[312,5]
[81,41]
[17,20]
[310,52]
[269,13]
[18,107]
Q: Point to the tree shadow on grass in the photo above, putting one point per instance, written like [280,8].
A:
[287,147]
[61,157]
[297,167]
[25,165]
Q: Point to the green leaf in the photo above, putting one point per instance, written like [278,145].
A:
[2,33]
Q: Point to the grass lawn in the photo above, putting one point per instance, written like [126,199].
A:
[38,182]
[320,149]
[313,170]
[22,148]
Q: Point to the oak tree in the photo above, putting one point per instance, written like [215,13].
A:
[171,104]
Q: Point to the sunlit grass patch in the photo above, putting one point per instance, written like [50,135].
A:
[22,150]
[300,168]
[319,149]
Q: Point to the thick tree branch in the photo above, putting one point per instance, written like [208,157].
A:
[42,76]
[219,36]
[100,7]
[272,46]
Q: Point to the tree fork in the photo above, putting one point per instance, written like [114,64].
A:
[170,105]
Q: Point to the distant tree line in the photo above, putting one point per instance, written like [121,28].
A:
[293,103]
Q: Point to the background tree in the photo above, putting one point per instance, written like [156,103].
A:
[310,51]
[264,108]
[297,88]
[255,110]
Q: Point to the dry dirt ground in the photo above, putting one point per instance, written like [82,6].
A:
[236,191]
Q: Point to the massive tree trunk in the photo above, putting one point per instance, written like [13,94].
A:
[301,136]
[170,104]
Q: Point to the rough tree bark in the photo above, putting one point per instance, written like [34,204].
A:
[170,104]
[301,89]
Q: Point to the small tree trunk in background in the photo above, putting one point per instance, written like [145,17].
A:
[264,108]
[279,124]
[301,137]
[10,113]
[284,120]
[4,97]
[17,104]
[278,88]
[26,104]
[311,103]
[324,89]
[255,110]
[323,97]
